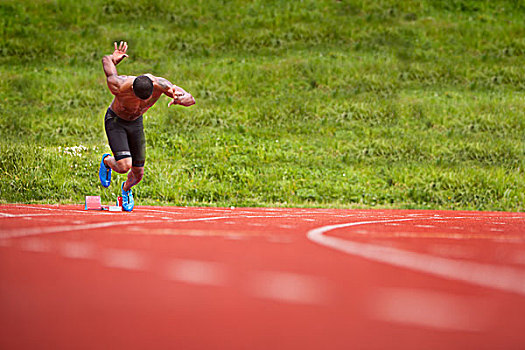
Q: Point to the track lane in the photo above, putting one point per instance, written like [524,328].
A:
[250,278]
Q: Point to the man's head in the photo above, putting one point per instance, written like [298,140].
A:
[142,87]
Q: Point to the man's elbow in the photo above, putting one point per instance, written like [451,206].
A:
[107,61]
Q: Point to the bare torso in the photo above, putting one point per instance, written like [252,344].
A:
[128,106]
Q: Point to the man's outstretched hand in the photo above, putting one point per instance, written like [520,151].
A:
[177,95]
[181,97]
[120,52]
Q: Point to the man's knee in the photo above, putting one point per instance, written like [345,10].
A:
[123,165]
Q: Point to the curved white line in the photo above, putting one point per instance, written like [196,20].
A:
[498,277]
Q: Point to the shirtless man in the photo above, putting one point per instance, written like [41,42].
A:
[123,120]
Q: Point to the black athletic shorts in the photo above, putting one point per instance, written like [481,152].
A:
[126,138]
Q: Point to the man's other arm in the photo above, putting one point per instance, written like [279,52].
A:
[178,94]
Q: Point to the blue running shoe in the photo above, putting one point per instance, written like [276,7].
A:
[104,173]
[127,199]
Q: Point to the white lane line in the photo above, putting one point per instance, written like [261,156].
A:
[268,216]
[123,259]
[425,226]
[498,277]
[197,272]
[33,231]
[51,209]
[31,207]
[77,250]
[285,226]
[161,211]
[5,215]
[235,237]
[288,287]
[201,219]
[226,217]
[429,309]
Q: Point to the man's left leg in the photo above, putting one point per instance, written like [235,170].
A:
[137,147]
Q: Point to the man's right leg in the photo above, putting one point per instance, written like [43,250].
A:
[134,177]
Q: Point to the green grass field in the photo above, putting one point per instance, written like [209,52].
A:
[395,104]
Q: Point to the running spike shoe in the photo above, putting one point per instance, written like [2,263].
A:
[127,199]
[104,173]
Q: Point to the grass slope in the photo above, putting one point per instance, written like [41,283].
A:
[402,104]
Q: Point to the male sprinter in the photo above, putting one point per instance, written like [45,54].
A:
[123,120]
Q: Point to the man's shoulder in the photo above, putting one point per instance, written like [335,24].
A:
[126,81]
[121,79]
[127,78]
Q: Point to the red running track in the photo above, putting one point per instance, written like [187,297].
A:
[260,278]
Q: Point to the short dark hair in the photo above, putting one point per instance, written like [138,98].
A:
[142,87]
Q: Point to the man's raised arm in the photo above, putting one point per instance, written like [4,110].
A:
[109,63]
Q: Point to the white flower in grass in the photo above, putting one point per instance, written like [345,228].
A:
[74,150]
